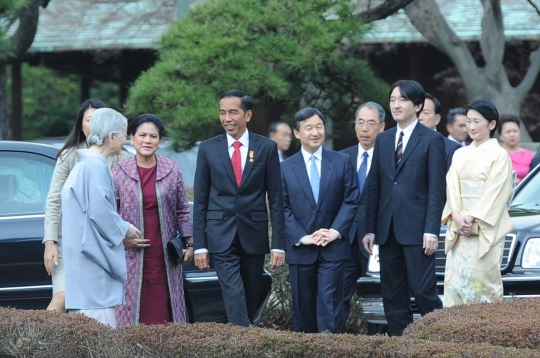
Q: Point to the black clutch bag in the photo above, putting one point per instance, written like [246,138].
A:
[176,250]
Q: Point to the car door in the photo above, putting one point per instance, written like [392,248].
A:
[24,183]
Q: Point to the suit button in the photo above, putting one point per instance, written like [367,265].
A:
[237,214]
[237,196]
[395,183]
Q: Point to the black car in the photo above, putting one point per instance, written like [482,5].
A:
[25,176]
[520,266]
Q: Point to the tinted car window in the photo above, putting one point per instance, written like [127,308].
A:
[24,182]
[529,193]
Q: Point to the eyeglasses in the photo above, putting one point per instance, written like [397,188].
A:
[369,124]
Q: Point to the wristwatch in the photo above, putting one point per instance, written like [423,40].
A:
[189,245]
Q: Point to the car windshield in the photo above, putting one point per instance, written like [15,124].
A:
[529,194]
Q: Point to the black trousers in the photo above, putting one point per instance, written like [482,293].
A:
[240,278]
[355,268]
[406,270]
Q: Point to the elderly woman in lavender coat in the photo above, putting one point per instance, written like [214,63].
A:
[93,232]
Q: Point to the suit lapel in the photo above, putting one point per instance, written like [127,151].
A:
[327,169]
[253,148]
[223,151]
[416,135]
[388,150]
[300,171]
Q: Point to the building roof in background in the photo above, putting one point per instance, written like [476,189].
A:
[80,25]
[464,16]
[86,25]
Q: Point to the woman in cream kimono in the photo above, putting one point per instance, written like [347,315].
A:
[479,187]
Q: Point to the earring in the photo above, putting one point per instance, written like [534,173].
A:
[132,143]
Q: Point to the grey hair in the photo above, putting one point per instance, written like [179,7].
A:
[374,106]
[103,122]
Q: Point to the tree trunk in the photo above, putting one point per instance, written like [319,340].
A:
[5,128]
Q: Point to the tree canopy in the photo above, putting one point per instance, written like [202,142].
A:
[290,52]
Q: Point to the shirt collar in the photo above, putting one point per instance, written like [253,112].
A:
[409,128]
[244,139]
[361,151]
[307,156]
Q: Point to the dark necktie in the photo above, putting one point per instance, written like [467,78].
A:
[399,148]
[362,172]
[236,161]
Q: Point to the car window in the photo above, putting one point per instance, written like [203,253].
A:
[529,193]
[24,183]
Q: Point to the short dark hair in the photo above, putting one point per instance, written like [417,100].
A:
[451,116]
[272,128]
[436,102]
[508,118]
[487,110]
[245,100]
[145,118]
[412,91]
[306,113]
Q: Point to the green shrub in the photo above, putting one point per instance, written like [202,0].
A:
[509,324]
[46,334]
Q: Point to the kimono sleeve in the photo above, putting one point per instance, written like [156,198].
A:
[102,209]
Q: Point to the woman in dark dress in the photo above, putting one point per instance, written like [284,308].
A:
[152,196]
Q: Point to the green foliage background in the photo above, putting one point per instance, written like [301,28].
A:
[51,100]
[284,51]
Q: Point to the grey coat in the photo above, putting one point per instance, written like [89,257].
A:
[93,234]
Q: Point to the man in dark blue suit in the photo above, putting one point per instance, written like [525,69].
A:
[320,193]
[430,117]
[406,190]
[368,124]
[236,172]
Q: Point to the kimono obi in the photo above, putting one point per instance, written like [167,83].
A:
[471,192]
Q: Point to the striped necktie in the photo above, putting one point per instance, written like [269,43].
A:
[399,148]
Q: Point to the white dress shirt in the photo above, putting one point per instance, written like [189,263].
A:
[407,131]
[280,155]
[244,139]
[307,160]
[463,144]
[361,158]
[318,163]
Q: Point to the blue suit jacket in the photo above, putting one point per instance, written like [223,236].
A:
[450,147]
[338,197]
[359,224]
[411,195]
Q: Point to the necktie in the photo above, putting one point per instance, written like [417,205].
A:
[236,161]
[399,148]
[315,180]
[362,171]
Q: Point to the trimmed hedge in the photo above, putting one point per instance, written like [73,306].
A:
[509,324]
[46,334]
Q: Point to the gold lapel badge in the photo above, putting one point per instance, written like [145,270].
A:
[251,156]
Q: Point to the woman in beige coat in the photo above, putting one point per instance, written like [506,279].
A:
[65,161]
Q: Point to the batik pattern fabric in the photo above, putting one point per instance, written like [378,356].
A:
[174,218]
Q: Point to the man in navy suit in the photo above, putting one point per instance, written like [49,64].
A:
[320,193]
[430,117]
[406,190]
[236,171]
[368,124]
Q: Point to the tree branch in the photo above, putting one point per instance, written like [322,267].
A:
[530,77]
[535,6]
[427,18]
[492,40]
[382,11]
[22,39]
